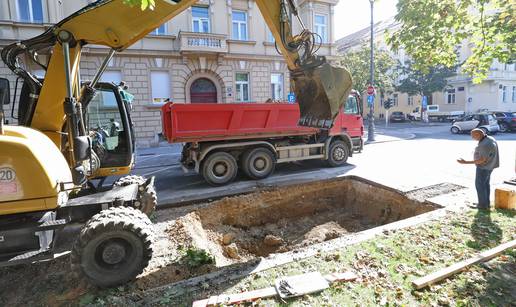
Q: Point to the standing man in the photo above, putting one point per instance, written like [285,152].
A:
[486,159]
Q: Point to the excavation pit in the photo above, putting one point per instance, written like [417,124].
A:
[241,228]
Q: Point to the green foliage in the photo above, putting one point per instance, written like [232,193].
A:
[197,257]
[144,4]
[431,31]
[357,62]
[417,82]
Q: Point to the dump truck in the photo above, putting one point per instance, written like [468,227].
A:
[220,139]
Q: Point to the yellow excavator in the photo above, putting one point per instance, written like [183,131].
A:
[49,161]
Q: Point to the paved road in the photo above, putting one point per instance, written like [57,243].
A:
[428,157]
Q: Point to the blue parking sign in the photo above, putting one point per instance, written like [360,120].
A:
[370,100]
[291,98]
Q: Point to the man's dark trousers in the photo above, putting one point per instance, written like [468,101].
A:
[483,188]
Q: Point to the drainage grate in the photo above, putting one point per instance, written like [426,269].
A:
[431,191]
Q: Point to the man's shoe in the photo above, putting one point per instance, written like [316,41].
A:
[476,206]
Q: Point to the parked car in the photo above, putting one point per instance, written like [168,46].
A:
[397,116]
[506,120]
[486,122]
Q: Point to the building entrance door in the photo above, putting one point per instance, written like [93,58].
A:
[203,90]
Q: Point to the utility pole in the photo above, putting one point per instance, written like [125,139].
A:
[370,128]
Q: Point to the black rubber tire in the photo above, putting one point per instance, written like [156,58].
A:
[261,155]
[219,168]
[106,235]
[147,198]
[504,127]
[338,153]
[455,130]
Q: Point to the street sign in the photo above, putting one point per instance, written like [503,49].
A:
[370,90]
[291,98]
[370,100]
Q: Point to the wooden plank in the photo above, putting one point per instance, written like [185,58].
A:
[254,295]
[449,271]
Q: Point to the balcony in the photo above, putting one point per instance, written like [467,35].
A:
[202,42]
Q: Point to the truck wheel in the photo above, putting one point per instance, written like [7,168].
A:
[219,168]
[113,247]
[147,199]
[258,163]
[338,153]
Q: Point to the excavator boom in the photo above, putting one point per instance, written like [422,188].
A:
[320,88]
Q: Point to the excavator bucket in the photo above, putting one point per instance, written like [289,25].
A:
[321,91]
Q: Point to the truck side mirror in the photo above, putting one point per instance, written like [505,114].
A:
[5,93]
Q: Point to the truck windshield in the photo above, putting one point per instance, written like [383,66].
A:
[351,106]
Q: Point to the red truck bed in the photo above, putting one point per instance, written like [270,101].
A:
[215,122]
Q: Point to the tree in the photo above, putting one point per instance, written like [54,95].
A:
[431,30]
[417,82]
[357,62]
[144,4]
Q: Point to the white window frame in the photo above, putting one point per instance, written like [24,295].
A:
[410,100]
[201,20]
[240,98]
[514,94]
[238,36]
[167,87]
[274,84]
[450,96]
[31,11]
[162,32]
[321,29]
[504,94]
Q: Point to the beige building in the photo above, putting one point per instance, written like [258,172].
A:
[217,51]
[496,93]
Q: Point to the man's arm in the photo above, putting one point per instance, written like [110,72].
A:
[478,161]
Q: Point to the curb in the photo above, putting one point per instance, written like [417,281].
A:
[407,137]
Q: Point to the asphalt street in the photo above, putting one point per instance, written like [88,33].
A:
[413,155]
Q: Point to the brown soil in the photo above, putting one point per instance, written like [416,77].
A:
[240,228]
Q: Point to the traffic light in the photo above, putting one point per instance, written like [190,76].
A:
[388,104]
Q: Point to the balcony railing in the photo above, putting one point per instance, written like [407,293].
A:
[203,42]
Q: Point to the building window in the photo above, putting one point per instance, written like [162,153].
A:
[504,94]
[411,100]
[277,86]
[160,86]
[395,99]
[161,30]
[30,10]
[239,25]
[200,19]
[514,94]
[108,100]
[321,27]
[242,87]
[451,96]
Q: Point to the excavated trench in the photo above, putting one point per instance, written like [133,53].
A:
[241,228]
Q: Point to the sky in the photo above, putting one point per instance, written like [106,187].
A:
[353,15]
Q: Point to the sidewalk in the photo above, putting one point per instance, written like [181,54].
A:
[383,137]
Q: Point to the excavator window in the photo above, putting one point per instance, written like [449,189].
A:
[107,124]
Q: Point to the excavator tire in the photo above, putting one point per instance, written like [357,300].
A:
[113,247]
[147,198]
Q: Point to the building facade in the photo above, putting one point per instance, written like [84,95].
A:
[216,51]
[496,93]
